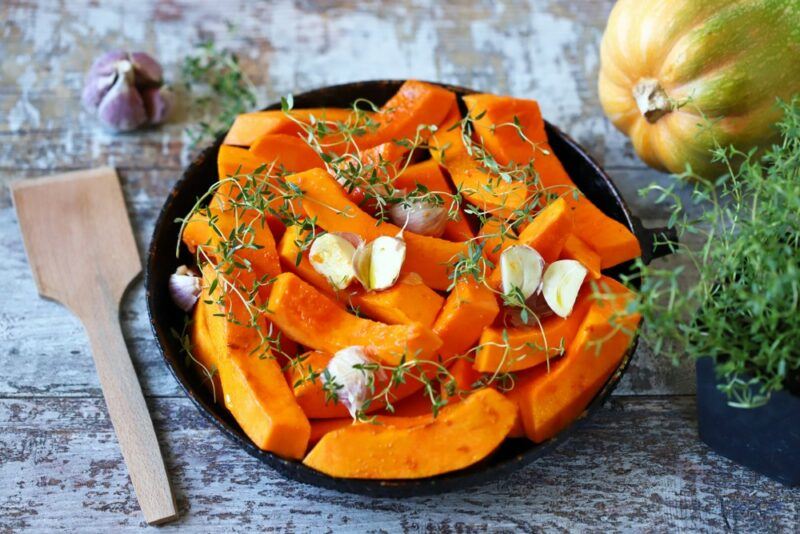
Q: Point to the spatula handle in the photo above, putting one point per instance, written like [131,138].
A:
[127,408]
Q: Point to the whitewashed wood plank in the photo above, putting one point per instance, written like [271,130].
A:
[636,466]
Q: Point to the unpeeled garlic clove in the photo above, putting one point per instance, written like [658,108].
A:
[148,70]
[158,102]
[521,268]
[378,263]
[560,285]
[331,255]
[347,372]
[122,107]
[420,217]
[184,288]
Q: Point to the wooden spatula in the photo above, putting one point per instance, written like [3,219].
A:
[81,248]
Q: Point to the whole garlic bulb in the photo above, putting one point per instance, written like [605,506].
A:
[127,91]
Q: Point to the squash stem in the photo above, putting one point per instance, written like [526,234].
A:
[651,99]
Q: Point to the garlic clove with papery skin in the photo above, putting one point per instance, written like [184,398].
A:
[521,269]
[148,71]
[122,107]
[158,102]
[185,288]
[331,255]
[378,263]
[349,372]
[420,217]
[561,283]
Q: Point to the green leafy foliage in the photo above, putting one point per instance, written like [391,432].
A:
[744,309]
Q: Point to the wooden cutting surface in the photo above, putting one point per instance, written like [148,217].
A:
[637,466]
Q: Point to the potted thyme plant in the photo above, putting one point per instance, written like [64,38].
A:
[740,316]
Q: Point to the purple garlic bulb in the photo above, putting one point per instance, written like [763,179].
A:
[127,91]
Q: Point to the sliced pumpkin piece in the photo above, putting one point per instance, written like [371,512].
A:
[204,351]
[496,236]
[415,103]
[468,309]
[236,161]
[576,248]
[462,435]
[311,395]
[325,201]
[253,386]
[464,377]
[321,427]
[314,320]
[551,399]
[429,174]
[506,350]
[248,127]
[608,237]
[288,153]
[490,193]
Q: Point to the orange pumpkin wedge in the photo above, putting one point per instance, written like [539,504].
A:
[551,399]
[288,153]
[576,248]
[460,436]
[609,238]
[415,103]
[314,320]
[248,127]
[254,387]
[204,351]
[320,427]
[468,309]
[505,350]
[429,174]
[495,235]
[325,201]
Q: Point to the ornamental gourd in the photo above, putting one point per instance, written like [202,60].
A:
[676,75]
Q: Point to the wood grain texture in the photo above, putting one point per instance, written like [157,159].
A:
[638,466]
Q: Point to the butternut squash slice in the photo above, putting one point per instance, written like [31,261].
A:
[506,350]
[414,104]
[204,350]
[311,395]
[462,435]
[547,233]
[609,238]
[254,387]
[236,161]
[314,320]
[429,174]
[408,301]
[321,427]
[287,153]
[495,235]
[464,378]
[468,309]
[576,248]
[549,400]
[489,193]
[325,201]
[248,127]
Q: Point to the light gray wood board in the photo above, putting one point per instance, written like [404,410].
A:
[636,466]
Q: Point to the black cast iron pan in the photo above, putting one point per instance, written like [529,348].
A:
[165,316]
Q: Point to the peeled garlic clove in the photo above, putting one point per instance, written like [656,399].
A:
[561,283]
[361,263]
[148,71]
[521,268]
[184,288]
[350,378]
[386,260]
[158,103]
[420,217]
[122,107]
[331,255]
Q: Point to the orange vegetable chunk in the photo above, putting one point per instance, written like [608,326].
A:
[429,174]
[611,239]
[236,161]
[325,201]
[204,351]
[415,103]
[314,320]
[248,127]
[467,310]
[460,436]
[287,152]
[320,427]
[516,348]
[254,387]
[496,236]
[550,401]
[464,377]
[576,248]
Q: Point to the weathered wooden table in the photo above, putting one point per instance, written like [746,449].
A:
[638,465]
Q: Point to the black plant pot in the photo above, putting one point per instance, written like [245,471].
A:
[765,439]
